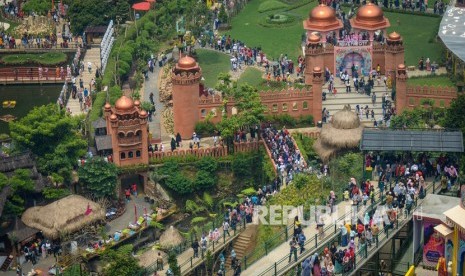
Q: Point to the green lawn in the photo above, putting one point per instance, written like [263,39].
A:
[273,41]
[48,59]
[438,80]
[212,63]
[252,77]
[417,31]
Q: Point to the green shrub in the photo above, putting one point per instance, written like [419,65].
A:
[306,121]
[249,191]
[197,220]
[270,5]
[278,20]
[205,128]
[282,120]
[55,193]
[208,164]
[204,180]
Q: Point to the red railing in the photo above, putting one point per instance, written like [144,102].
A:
[32,74]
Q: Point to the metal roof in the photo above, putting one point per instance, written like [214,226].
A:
[99,123]
[103,142]
[411,140]
[452,31]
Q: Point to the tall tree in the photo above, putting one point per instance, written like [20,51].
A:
[248,105]
[455,114]
[52,135]
[99,177]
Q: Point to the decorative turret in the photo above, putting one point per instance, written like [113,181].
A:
[186,76]
[401,88]
[127,126]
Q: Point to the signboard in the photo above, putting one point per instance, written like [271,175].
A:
[434,246]
[353,43]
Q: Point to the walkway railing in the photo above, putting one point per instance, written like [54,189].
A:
[191,262]
[311,243]
[331,234]
[363,255]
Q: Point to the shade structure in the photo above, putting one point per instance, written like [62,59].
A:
[142,6]
[151,1]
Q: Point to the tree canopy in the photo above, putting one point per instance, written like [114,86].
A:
[83,13]
[247,103]
[52,135]
[455,114]
[99,177]
[120,262]
[21,184]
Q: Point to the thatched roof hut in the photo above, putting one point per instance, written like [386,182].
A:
[171,238]
[66,215]
[343,132]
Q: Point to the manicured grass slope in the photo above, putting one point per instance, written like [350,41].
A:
[442,80]
[212,63]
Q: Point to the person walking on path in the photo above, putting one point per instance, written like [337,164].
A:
[293,250]
[302,240]
[373,98]
[159,262]
[203,245]
[195,247]
[226,229]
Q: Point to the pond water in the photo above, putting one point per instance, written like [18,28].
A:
[26,97]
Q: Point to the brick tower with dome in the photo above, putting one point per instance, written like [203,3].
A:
[368,46]
[186,76]
[127,125]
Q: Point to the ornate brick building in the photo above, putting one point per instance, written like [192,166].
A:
[127,127]
[365,49]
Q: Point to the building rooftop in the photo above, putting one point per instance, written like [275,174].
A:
[434,207]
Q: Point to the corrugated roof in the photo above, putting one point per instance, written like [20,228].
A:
[103,142]
[96,29]
[99,123]
[411,140]
[452,31]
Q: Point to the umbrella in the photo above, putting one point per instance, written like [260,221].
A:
[142,6]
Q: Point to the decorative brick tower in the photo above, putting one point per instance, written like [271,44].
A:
[394,53]
[322,20]
[127,126]
[186,77]
[313,57]
[401,88]
[317,90]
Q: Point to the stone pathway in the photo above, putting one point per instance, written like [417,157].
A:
[92,55]
[151,86]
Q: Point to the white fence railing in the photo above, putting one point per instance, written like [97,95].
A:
[106,45]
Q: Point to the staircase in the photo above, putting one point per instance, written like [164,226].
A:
[242,245]
[92,55]
[335,103]
[6,264]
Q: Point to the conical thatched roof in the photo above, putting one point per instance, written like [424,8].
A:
[66,215]
[345,119]
[171,238]
[344,132]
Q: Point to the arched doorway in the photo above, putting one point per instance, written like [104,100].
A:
[127,182]
[350,59]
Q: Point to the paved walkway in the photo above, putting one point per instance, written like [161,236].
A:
[151,86]
[93,56]
[283,250]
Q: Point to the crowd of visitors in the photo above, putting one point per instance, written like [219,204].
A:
[285,155]
[242,213]
[408,172]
